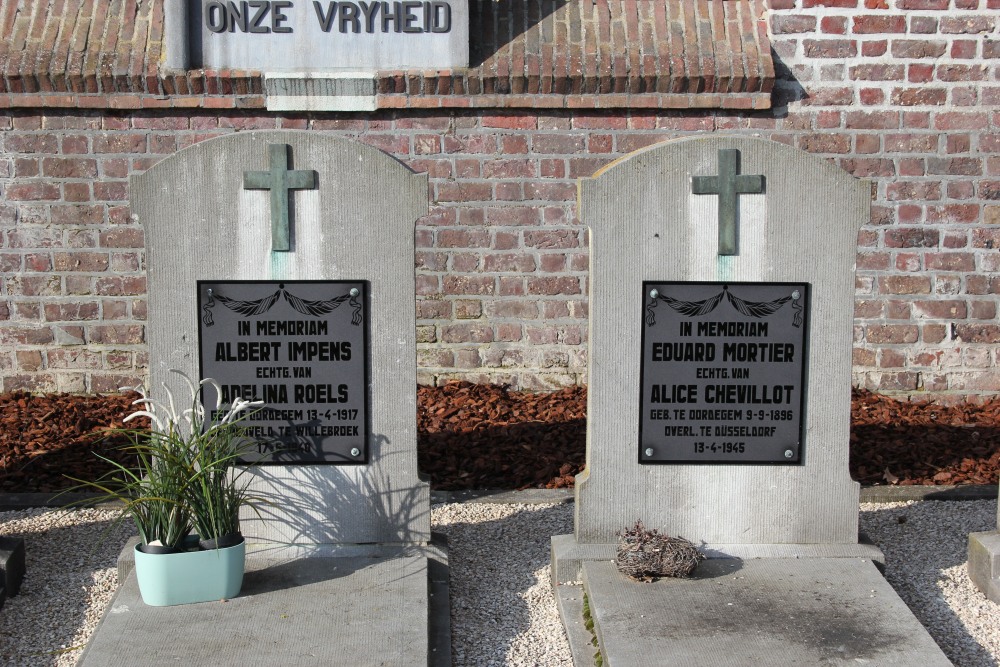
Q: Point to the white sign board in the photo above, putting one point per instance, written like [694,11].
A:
[324,35]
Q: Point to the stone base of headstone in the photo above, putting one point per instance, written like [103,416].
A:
[12,566]
[568,555]
[734,612]
[984,563]
[308,605]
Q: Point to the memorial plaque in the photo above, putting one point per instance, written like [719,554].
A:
[723,372]
[301,347]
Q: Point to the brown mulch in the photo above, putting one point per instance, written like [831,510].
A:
[45,438]
[480,436]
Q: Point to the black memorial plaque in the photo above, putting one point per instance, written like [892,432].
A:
[302,348]
[723,372]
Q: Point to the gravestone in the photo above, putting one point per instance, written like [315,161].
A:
[280,263]
[721,301]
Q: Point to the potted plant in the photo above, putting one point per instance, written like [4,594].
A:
[184,480]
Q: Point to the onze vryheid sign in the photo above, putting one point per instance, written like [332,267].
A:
[301,347]
[722,372]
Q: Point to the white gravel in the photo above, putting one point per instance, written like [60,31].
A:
[503,612]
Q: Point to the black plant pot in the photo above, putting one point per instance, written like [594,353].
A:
[221,542]
[157,549]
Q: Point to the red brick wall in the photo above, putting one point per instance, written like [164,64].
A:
[903,93]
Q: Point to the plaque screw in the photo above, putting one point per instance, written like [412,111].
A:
[355,451]
[653,294]
[795,294]
[210,291]
[789,453]
[354,291]
[649,450]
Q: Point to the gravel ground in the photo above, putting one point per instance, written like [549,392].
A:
[502,610]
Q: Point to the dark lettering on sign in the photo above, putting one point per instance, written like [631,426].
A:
[723,372]
[249,16]
[301,348]
[406,16]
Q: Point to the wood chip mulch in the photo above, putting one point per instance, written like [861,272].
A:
[480,436]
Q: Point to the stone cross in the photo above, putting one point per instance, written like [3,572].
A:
[727,185]
[279,180]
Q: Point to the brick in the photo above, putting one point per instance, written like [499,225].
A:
[872,120]
[933,333]
[783,24]
[834,25]
[117,334]
[878,24]
[967,25]
[919,96]
[518,310]
[891,359]
[904,285]
[464,192]
[891,333]
[32,192]
[986,238]
[467,333]
[983,310]
[962,166]
[911,237]
[950,261]
[940,309]
[119,143]
[558,144]
[825,143]
[917,48]
[874,48]
[903,381]
[482,285]
[953,213]
[80,261]
[511,121]
[830,48]
[123,237]
[868,167]
[909,190]
[509,262]
[922,4]
[69,167]
[964,49]
[976,333]
[989,189]
[77,214]
[549,239]
[509,169]
[553,285]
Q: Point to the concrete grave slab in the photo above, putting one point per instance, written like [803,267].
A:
[774,611]
[362,610]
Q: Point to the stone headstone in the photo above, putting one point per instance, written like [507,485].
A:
[282,262]
[798,236]
[315,233]
[721,306]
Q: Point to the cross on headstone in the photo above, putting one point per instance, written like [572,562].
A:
[727,185]
[279,180]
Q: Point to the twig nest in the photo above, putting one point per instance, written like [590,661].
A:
[646,555]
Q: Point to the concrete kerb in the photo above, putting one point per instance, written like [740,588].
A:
[869,494]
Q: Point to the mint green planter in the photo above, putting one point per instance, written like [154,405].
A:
[190,576]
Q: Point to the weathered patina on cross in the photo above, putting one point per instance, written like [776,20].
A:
[728,184]
[279,180]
